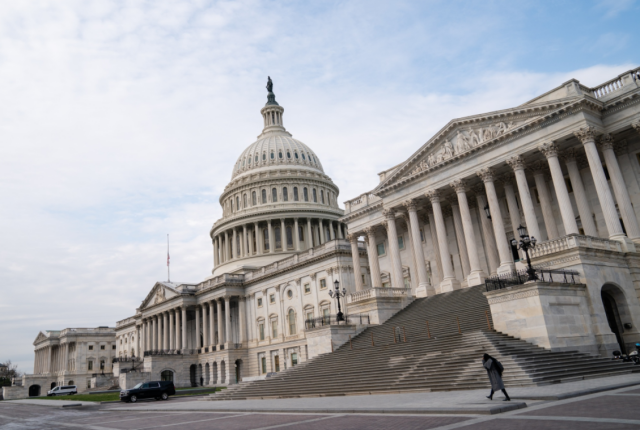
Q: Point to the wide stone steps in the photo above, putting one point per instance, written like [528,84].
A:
[449,359]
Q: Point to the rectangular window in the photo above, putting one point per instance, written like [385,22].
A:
[274,329]
[323,284]
[307,288]
[309,315]
[90,347]
[381,251]
[90,366]
[295,194]
[325,312]
[266,239]
[278,235]
[113,347]
[400,242]
[102,346]
[259,302]
[261,328]
[263,361]
[272,298]
[300,233]
[276,362]
[294,359]
[386,285]
[364,282]
[274,195]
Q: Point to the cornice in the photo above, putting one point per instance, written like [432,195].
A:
[362,212]
[616,105]
[273,180]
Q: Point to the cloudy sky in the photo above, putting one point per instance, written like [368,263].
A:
[120,121]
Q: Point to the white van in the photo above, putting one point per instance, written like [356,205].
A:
[63,390]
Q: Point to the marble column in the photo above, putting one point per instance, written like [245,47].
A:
[212,330]
[322,236]
[545,201]
[394,250]
[355,256]
[226,246]
[183,325]
[372,254]
[424,287]
[504,248]
[517,164]
[550,150]
[243,247]
[241,320]
[197,329]
[220,332]
[66,357]
[340,236]
[283,235]
[165,330]
[227,320]
[587,135]
[512,203]
[272,242]
[296,234]
[584,209]
[449,281]
[259,239]
[460,239]
[250,241]
[177,331]
[205,326]
[172,340]
[216,261]
[234,244]
[620,189]
[309,234]
[436,247]
[332,234]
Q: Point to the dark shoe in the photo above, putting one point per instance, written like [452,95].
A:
[507,399]
[489,397]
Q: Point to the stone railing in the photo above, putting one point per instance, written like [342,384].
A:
[613,84]
[574,241]
[125,321]
[359,202]
[378,292]
[228,278]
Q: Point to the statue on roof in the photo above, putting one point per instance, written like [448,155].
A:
[271,98]
[269,84]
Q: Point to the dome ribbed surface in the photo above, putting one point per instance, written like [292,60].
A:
[276,149]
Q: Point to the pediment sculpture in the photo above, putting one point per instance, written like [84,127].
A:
[160,296]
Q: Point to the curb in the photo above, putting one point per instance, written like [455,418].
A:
[579,393]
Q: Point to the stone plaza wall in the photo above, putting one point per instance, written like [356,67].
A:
[14,393]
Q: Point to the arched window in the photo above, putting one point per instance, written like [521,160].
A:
[256,159]
[264,156]
[315,196]
[322,196]
[305,194]
[237,203]
[292,322]
[285,194]
[280,155]
[273,155]
[249,159]
[254,200]
[288,154]
[244,201]
[265,233]
[300,233]
[289,236]
[278,236]
[303,157]
[264,196]
[295,194]
[166,375]
[274,195]
[296,155]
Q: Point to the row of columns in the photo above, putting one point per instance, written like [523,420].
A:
[248,240]
[497,247]
[51,359]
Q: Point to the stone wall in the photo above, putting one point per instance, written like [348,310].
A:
[320,340]
[14,393]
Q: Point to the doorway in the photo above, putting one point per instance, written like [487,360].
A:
[238,371]
[609,295]
[192,375]
[34,391]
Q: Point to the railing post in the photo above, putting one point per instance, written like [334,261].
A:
[428,331]
[458,321]
[486,313]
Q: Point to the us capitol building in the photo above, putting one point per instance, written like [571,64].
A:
[565,165]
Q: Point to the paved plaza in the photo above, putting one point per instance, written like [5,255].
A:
[566,406]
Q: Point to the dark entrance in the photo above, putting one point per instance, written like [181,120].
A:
[238,371]
[53,385]
[192,375]
[34,391]
[613,317]
[166,375]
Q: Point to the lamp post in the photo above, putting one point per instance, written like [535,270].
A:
[337,294]
[527,243]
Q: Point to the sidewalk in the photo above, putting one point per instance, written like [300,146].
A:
[442,402]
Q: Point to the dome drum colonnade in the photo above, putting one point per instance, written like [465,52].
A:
[496,245]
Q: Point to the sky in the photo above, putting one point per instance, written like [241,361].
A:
[120,121]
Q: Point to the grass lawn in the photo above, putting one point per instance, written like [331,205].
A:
[109,397]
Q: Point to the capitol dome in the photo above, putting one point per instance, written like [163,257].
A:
[279,201]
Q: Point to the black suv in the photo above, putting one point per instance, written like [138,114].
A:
[146,390]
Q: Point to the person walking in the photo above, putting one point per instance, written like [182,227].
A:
[494,371]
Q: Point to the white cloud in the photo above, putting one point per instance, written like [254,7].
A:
[121,122]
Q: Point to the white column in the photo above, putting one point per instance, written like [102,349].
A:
[272,242]
[250,241]
[584,209]
[355,256]
[372,253]
[587,136]
[424,287]
[545,202]
[504,249]
[197,330]
[153,340]
[212,329]
[340,236]
[309,235]
[550,150]
[512,203]
[244,241]
[226,246]
[517,164]
[184,327]
[172,340]
[242,323]
[259,244]
[462,246]
[227,321]
[449,281]
[205,326]
[296,235]
[332,234]
[283,235]
[620,189]
[436,247]
[220,333]
[394,250]
[234,244]
[321,235]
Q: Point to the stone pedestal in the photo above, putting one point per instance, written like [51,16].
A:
[320,340]
[551,315]
[131,379]
[379,303]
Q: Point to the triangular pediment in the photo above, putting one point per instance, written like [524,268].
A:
[40,338]
[464,136]
[160,292]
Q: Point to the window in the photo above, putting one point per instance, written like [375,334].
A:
[256,158]
[113,347]
[386,285]
[90,365]
[266,239]
[101,364]
[315,196]
[322,196]
[263,361]
[292,322]
[381,250]
[261,330]
[289,232]
[323,284]
[254,201]
[364,282]
[407,283]
[295,194]
[237,203]
[325,312]
[276,362]
[307,288]
[289,293]
[278,237]
[421,235]
[280,155]
[244,201]
[103,347]
[294,359]
[309,315]
[259,302]
[274,329]
[400,242]
[264,156]
[288,154]
[304,158]
[273,156]
[285,194]
[272,298]
[264,196]
[305,194]
[300,233]
[91,347]
[274,195]
[249,160]
[296,155]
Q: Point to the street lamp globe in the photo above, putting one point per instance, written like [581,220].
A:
[522,231]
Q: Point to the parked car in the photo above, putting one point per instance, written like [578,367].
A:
[63,390]
[147,390]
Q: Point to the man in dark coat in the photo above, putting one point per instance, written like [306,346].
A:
[494,371]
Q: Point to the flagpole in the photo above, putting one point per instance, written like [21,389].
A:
[168,269]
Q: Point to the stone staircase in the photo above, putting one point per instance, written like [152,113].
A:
[407,356]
